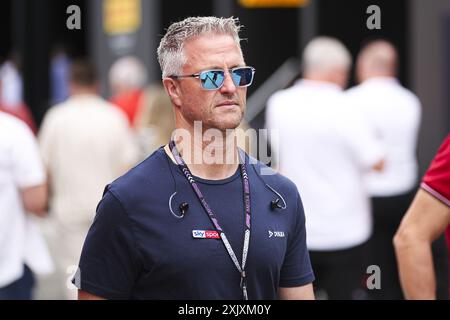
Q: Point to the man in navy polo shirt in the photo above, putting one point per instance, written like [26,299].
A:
[199,219]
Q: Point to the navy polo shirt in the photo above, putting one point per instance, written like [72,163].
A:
[136,248]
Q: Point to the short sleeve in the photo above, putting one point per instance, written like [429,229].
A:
[297,270]
[28,170]
[437,178]
[109,262]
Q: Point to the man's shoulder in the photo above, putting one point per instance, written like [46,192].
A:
[271,177]
[282,95]
[392,87]
[148,175]
[103,108]
[350,92]
[113,110]
[410,96]
[86,106]
[9,120]
[13,126]
[56,112]
[404,93]
[281,103]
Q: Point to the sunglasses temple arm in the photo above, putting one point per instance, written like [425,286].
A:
[186,76]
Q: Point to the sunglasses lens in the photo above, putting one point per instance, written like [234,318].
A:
[242,77]
[212,80]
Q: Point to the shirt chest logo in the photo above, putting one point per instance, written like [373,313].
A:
[205,234]
[276,234]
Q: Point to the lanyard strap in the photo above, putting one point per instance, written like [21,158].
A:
[246,187]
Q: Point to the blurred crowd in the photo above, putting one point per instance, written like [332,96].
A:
[350,151]
[83,143]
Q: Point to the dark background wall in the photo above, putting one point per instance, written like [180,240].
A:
[75,41]
[348,24]
[5,30]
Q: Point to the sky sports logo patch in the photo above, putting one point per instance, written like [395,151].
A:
[205,234]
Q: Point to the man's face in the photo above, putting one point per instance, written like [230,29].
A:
[222,108]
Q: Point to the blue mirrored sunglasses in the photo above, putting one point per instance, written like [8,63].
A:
[214,79]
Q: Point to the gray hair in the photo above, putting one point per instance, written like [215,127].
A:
[171,55]
[128,72]
[322,53]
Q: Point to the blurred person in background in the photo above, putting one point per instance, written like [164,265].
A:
[23,192]
[127,78]
[13,85]
[425,221]
[154,120]
[325,148]
[85,143]
[394,113]
[11,92]
[247,139]
[59,74]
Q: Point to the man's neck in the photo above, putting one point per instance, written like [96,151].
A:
[379,76]
[211,159]
[82,91]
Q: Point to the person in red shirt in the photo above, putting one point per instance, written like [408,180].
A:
[426,219]
[127,78]
[20,111]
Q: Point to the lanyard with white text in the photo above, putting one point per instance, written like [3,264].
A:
[246,186]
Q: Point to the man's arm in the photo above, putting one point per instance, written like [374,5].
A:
[35,199]
[83,295]
[379,166]
[296,293]
[425,220]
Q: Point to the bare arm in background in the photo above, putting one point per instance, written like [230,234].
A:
[423,223]
[35,199]
[379,166]
[305,292]
[83,295]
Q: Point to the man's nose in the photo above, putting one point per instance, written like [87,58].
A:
[228,84]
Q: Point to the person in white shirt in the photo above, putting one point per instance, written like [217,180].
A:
[325,147]
[12,83]
[23,192]
[86,143]
[394,113]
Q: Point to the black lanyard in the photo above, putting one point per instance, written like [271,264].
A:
[201,198]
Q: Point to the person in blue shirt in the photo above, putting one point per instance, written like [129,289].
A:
[199,218]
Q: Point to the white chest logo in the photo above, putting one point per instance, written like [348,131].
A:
[276,234]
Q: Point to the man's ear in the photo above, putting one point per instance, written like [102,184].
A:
[173,90]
